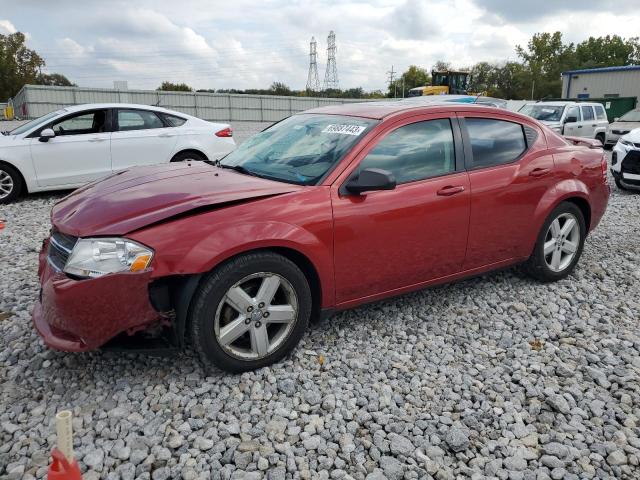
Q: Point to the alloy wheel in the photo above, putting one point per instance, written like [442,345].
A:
[561,242]
[256,316]
[6,184]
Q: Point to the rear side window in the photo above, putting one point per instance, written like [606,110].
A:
[138,120]
[600,113]
[173,120]
[587,113]
[415,152]
[495,142]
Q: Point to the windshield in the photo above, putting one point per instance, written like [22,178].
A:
[632,116]
[34,123]
[300,149]
[547,113]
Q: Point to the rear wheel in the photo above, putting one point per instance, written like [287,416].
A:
[620,185]
[250,312]
[188,157]
[559,244]
[10,183]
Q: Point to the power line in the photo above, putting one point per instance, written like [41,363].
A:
[331,73]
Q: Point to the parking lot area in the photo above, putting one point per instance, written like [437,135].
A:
[494,377]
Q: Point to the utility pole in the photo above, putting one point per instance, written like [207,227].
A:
[313,84]
[331,73]
[403,87]
[391,73]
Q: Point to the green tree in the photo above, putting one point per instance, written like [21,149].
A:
[413,77]
[174,87]
[55,79]
[279,88]
[18,64]
[606,51]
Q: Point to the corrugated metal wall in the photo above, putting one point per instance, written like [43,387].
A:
[35,100]
[597,85]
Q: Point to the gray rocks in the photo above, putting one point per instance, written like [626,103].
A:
[497,376]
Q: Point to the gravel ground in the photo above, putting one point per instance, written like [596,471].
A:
[493,377]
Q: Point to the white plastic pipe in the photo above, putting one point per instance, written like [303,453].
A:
[65,433]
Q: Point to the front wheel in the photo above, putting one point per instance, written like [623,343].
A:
[10,183]
[559,244]
[250,312]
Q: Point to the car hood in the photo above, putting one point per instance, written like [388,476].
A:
[632,136]
[624,125]
[550,124]
[135,198]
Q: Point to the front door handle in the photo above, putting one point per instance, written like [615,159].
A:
[579,126]
[164,135]
[539,172]
[450,190]
[97,139]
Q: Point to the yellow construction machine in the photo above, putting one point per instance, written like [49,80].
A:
[448,82]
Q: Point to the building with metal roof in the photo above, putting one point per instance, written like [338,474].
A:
[608,82]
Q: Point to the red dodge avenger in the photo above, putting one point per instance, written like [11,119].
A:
[323,211]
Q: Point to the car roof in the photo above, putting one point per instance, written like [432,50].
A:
[381,110]
[91,106]
[559,103]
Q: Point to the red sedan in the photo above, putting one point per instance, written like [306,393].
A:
[323,211]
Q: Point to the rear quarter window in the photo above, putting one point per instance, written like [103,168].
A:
[495,142]
[173,120]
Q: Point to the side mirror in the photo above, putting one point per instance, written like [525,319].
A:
[46,134]
[571,120]
[371,179]
[616,119]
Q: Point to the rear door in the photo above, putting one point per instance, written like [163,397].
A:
[388,240]
[79,153]
[509,172]
[140,137]
[588,122]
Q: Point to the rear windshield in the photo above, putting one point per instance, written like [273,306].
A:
[301,149]
[547,113]
[632,116]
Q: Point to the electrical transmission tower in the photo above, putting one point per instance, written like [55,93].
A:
[331,74]
[313,84]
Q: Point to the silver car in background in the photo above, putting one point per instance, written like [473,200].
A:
[621,126]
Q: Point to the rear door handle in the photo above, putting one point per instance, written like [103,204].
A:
[539,172]
[164,135]
[450,190]
[97,139]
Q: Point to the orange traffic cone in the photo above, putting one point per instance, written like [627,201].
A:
[62,469]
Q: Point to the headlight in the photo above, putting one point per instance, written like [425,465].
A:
[94,257]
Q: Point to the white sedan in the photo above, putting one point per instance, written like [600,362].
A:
[68,148]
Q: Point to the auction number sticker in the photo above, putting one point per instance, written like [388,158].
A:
[344,129]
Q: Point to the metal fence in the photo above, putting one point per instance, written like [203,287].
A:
[33,101]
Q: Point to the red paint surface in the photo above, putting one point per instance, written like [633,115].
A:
[362,247]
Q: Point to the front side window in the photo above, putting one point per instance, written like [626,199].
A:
[600,113]
[415,152]
[575,113]
[495,142]
[587,113]
[300,149]
[138,120]
[81,123]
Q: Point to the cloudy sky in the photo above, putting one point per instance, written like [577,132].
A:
[244,44]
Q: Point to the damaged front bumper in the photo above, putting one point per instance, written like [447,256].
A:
[83,314]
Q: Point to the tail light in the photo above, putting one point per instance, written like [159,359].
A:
[225,132]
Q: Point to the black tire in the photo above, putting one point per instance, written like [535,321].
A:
[620,185]
[602,138]
[536,265]
[190,155]
[9,176]
[214,287]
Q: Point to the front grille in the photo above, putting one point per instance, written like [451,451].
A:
[631,163]
[60,247]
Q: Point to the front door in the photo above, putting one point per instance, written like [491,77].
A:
[140,138]
[389,240]
[588,122]
[78,154]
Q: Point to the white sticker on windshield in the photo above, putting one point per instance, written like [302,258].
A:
[344,129]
